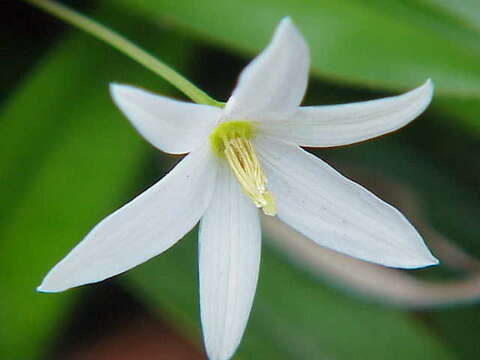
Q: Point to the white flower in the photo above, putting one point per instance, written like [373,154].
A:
[243,157]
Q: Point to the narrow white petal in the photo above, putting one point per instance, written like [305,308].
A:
[173,126]
[274,83]
[337,213]
[229,259]
[143,228]
[334,125]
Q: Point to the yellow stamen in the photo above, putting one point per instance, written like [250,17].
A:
[232,140]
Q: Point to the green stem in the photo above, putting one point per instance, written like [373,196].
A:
[127,47]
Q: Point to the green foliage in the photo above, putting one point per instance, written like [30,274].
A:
[68,159]
[466,12]
[365,43]
[389,45]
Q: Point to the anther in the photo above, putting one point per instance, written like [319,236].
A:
[232,140]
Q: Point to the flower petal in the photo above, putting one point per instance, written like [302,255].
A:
[143,228]
[274,83]
[229,259]
[173,126]
[337,213]
[334,125]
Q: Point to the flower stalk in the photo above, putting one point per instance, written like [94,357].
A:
[127,47]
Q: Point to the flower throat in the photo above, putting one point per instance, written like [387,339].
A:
[232,140]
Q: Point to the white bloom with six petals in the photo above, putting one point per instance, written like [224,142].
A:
[243,157]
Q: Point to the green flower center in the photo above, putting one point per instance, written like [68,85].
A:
[229,130]
[232,140]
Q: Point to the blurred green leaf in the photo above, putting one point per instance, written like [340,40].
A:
[462,114]
[68,158]
[390,45]
[466,11]
[33,132]
[459,327]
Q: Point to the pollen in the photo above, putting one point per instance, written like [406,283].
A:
[232,140]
